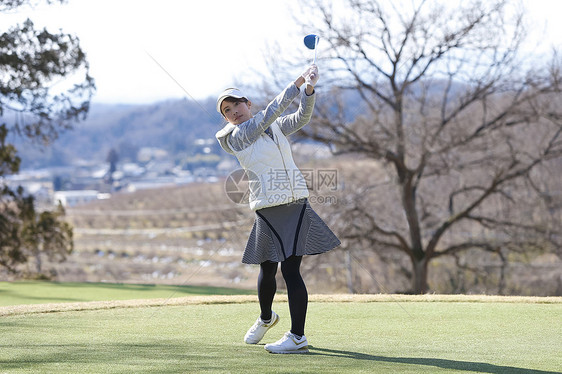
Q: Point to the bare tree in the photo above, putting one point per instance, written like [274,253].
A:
[461,124]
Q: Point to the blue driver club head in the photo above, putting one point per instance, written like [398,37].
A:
[310,41]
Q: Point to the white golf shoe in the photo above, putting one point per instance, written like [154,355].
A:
[258,330]
[288,344]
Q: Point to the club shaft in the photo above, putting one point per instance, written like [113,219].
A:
[316,40]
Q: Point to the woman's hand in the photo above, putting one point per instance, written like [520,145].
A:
[310,77]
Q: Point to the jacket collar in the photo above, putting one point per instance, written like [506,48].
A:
[225,130]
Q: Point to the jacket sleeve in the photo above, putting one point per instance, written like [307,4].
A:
[248,132]
[223,135]
[295,121]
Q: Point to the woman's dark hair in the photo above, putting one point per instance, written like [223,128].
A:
[231,99]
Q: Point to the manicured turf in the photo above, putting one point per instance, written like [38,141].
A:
[345,337]
[16,293]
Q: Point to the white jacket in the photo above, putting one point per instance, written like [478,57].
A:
[274,178]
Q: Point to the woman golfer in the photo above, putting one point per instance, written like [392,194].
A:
[285,227]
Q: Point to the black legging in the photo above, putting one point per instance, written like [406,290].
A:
[296,290]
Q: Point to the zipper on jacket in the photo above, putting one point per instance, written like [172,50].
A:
[285,167]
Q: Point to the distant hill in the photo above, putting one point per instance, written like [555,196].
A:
[173,125]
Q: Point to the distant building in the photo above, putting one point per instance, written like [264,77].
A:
[42,191]
[72,198]
[147,154]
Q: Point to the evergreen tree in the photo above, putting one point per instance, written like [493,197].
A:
[32,61]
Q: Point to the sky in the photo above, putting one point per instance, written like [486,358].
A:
[142,51]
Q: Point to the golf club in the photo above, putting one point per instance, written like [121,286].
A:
[311,42]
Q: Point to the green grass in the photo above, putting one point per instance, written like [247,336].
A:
[26,292]
[346,337]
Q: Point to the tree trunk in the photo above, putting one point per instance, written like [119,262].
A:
[38,262]
[419,279]
[349,269]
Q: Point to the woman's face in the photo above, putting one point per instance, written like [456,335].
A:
[236,112]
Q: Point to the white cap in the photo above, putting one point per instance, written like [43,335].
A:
[229,92]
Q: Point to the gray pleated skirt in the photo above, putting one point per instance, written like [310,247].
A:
[288,230]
